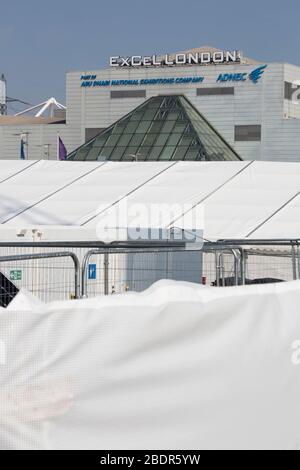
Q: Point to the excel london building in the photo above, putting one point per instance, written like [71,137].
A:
[252,106]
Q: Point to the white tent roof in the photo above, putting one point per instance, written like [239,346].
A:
[69,200]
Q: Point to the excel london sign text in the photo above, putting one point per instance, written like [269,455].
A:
[184,58]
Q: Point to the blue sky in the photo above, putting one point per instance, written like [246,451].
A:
[40,41]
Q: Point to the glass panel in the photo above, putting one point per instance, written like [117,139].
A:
[149,114]
[168,126]
[143,152]
[208,140]
[179,127]
[205,127]
[162,139]
[170,102]
[156,126]
[106,151]
[81,154]
[167,153]
[119,128]
[132,150]
[191,154]
[100,140]
[182,117]
[174,139]
[124,140]
[131,127]
[93,154]
[150,139]
[137,115]
[206,131]
[154,154]
[214,153]
[179,153]
[189,130]
[112,140]
[186,140]
[173,116]
[161,115]
[136,139]
[195,142]
[192,114]
[154,102]
[202,155]
[117,153]
[215,157]
[143,126]
[229,154]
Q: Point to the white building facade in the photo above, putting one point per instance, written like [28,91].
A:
[258,114]
[254,106]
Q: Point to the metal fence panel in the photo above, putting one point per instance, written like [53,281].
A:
[109,270]
[47,275]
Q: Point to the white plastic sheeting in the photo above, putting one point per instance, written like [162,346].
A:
[90,194]
[240,206]
[182,184]
[10,168]
[287,218]
[69,200]
[30,187]
[179,366]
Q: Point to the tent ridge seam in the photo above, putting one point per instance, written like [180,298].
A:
[273,214]
[52,194]
[20,171]
[129,193]
[211,193]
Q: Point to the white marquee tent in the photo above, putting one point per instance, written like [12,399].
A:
[180,365]
[67,200]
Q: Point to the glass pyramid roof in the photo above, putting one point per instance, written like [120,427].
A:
[162,128]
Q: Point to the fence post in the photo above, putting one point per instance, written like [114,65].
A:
[106,277]
[295,273]
[242,266]
[217,268]
[236,267]
[298,261]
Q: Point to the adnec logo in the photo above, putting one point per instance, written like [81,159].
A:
[254,76]
[257,74]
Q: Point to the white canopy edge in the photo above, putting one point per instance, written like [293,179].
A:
[65,201]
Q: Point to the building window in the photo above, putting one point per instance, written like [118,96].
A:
[250,133]
[291,91]
[215,91]
[128,94]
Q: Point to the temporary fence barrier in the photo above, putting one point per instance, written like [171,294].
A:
[48,281]
[102,269]
[117,271]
